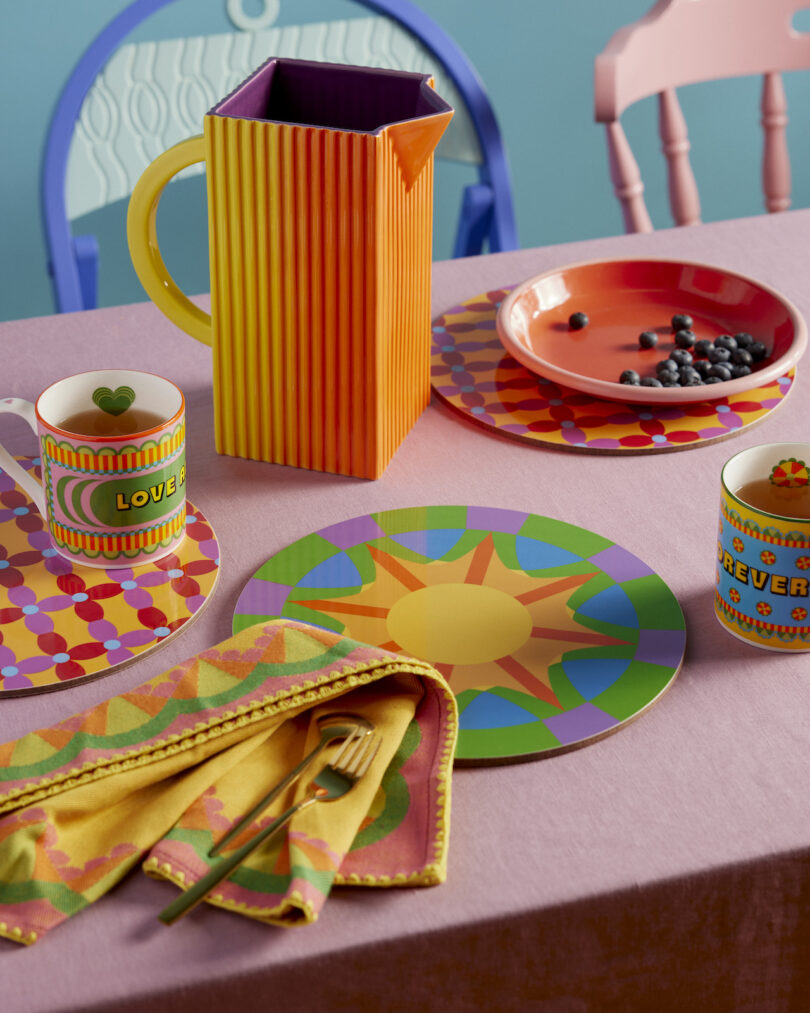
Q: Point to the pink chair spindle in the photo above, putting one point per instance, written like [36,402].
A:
[627,182]
[683,192]
[683,42]
[776,161]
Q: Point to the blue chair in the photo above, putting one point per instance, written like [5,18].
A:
[96,150]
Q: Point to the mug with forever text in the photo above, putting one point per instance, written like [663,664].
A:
[762,577]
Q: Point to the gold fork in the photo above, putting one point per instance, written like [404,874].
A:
[331,726]
[334,781]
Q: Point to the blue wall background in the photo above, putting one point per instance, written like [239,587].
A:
[535,58]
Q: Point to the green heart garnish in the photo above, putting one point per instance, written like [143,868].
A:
[114,402]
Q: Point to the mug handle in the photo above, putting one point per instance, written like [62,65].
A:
[143,245]
[25,480]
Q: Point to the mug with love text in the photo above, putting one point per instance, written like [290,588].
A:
[112,447]
[762,592]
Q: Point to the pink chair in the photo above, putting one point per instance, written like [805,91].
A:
[681,42]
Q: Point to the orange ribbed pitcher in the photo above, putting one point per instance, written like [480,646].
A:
[320,212]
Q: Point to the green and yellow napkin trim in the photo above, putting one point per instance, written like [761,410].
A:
[158,774]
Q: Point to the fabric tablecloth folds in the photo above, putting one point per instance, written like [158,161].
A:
[162,772]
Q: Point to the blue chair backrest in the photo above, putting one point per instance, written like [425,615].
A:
[96,151]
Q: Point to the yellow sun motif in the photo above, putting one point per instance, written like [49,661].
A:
[479,623]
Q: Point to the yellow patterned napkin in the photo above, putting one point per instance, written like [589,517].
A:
[159,774]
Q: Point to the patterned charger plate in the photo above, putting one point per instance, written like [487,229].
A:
[63,623]
[471,371]
[550,636]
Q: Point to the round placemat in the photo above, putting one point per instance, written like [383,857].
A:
[63,623]
[472,372]
[550,636]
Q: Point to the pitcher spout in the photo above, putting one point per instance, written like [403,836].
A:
[415,140]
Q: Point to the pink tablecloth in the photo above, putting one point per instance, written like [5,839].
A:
[665,867]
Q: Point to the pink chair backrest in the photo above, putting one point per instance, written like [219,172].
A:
[681,42]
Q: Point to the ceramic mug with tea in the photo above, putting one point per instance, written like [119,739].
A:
[112,447]
[762,592]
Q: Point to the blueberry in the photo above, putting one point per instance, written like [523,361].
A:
[681,321]
[689,378]
[721,370]
[684,338]
[743,339]
[671,383]
[577,321]
[719,354]
[666,366]
[682,356]
[702,347]
[741,357]
[713,379]
[651,381]
[740,370]
[725,341]
[702,367]
[648,339]
[758,350]
[631,377]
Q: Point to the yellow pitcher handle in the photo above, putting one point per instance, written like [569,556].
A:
[143,245]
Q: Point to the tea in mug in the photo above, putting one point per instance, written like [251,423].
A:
[95,422]
[785,501]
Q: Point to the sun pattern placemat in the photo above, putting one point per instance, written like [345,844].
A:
[62,623]
[550,636]
[471,372]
